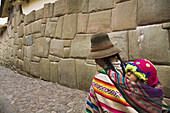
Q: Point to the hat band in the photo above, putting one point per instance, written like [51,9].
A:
[100,48]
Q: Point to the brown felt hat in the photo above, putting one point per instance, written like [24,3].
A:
[101,46]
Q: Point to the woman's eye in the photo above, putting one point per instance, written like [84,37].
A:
[128,70]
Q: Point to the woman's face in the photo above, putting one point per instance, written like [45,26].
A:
[131,76]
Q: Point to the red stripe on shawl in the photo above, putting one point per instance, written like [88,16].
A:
[111,97]
[104,83]
[110,108]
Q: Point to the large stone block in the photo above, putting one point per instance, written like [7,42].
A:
[69,26]
[58,31]
[45,69]
[48,10]
[36,26]
[124,16]
[28,29]
[31,17]
[80,46]
[99,21]
[95,5]
[57,47]
[20,30]
[50,28]
[54,72]
[74,6]
[39,14]
[85,74]
[29,40]
[163,75]
[60,7]
[20,43]
[66,73]
[27,64]
[35,69]
[150,11]
[82,23]
[150,42]
[66,52]
[41,47]
[120,40]
[29,51]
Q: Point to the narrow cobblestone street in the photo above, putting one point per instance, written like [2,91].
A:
[21,94]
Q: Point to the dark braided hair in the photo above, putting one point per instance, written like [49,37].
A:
[110,66]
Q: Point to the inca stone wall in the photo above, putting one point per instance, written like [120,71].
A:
[53,43]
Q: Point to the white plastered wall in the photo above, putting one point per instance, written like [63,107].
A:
[34,5]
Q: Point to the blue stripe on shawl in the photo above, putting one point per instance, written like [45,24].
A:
[123,80]
[92,105]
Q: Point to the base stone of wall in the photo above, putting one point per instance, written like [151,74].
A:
[35,69]
[66,73]
[85,74]
[45,69]
[54,72]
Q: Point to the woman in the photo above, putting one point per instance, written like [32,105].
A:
[111,91]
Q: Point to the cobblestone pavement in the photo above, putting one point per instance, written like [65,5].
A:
[30,95]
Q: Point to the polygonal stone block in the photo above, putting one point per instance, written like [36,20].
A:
[58,31]
[124,16]
[35,69]
[60,7]
[80,46]
[50,28]
[99,22]
[45,69]
[57,47]
[54,72]
[82,23]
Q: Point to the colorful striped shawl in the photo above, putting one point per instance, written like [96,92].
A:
[104,97]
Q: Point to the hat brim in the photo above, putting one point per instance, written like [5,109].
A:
[103,53]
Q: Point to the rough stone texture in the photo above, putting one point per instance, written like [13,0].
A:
[66,73]
[27,64]
[41,47]
[57,47]
[45,69]
[35,69]
[120,40]
[167,101]
[20,30]
[50,28]
[69,26]
[80,46]
[39,14]
[163,75]
[29,40]
[29,52]
[18,18]
[66,52]
[43,26]
[60,7]
[48,10]
[36,26]
[35,59]
[28,29]
[31,17]
[53,58]
[96,5]
[124,16]
[166,26]
[13,25]
[82,23]
[99,21]
[54,19]
[67,43]
[37,35]
[155,11]
[84,73]
[85,6]
[90,61]
[151,42]
[58,31]
[54,72]
[74,6]
[20,43]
